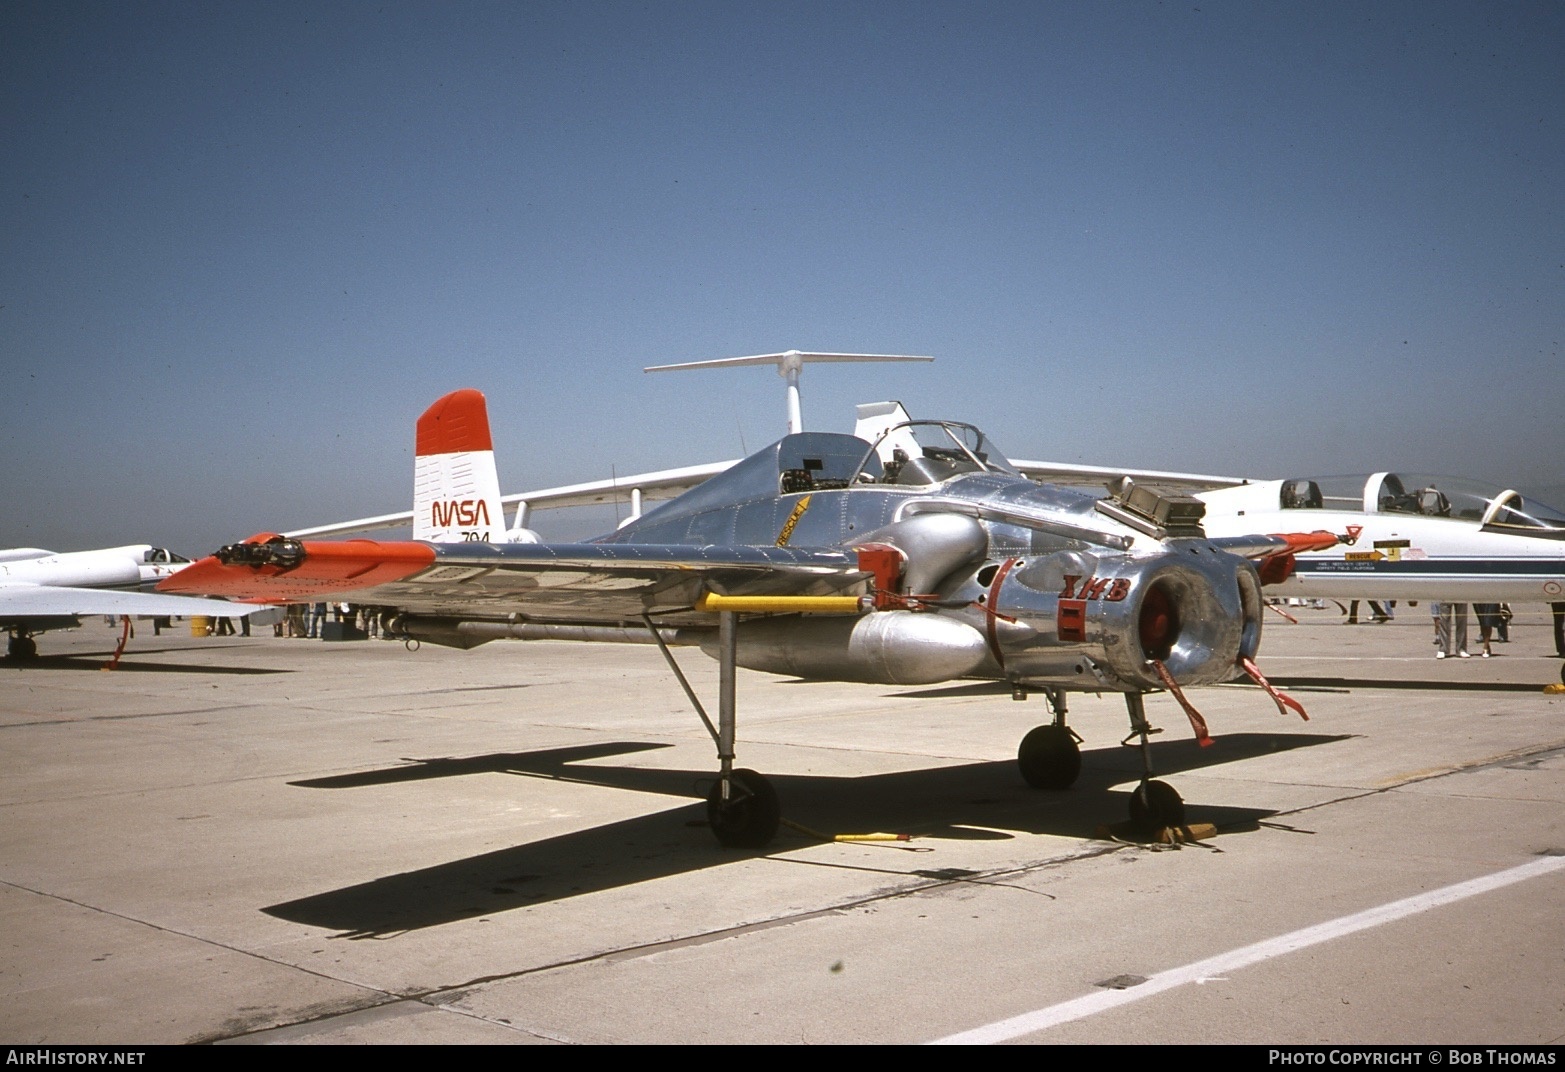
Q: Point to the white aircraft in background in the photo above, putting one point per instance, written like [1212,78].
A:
[41,590]
[1408,537]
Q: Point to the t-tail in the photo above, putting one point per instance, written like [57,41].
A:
[456,489]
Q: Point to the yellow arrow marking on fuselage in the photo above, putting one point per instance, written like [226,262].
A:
[793,519]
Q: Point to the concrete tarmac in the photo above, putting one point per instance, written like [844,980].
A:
[273,841]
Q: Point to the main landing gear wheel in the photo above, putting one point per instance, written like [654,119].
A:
[1049,758]
[749,819]
[1155,806]
[22,647]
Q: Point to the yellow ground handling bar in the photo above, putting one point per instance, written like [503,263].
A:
[781,604]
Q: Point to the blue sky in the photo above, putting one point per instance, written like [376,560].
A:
[246,244]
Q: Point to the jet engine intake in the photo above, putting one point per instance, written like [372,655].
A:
[935,545]
[1073,617]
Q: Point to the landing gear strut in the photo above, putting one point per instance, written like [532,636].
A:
[742,806]
[1050,756]
[1154,805]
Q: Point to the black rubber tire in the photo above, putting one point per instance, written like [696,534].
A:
[750,818]
[1049,758]
[1155,806]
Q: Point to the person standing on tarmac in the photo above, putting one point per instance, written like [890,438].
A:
[1450,629]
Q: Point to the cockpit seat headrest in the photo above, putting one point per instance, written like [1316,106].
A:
[1433,503]
[1301,495]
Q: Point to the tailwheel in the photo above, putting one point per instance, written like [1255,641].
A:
[1156,806]
[749,818]
[1049,758]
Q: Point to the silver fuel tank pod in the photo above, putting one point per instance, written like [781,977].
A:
[893,647]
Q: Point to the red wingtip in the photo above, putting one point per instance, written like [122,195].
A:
[1319,540]
[330,569]
[458,422]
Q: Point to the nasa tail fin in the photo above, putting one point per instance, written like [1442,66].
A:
[456,490]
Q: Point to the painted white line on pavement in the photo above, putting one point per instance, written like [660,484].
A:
[1080,1008]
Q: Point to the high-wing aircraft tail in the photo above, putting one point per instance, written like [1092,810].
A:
[456,488]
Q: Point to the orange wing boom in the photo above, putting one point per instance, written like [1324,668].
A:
[268,568]
[1278,566]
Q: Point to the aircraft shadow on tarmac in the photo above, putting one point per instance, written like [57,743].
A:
[130,663]
[1383,683]
[992,688]
[971,801]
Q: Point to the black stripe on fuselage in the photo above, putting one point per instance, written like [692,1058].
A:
[1436,567]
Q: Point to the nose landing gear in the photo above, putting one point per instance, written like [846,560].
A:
[1050,756]
[1154,806]
[21,645]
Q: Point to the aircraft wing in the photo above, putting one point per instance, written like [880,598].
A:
[557,583]
[662,484]
[1071,473]
[21,601]
[651,487]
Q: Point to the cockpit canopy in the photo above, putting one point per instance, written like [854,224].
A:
[927,452]
[915,453]
[1497,509]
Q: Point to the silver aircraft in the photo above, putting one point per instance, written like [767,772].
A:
[920,557]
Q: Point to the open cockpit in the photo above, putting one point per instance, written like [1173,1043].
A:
[917,453]
[900,459]
[1492,508]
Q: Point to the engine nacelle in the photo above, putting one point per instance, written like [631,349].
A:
[895,647]
[1098,620]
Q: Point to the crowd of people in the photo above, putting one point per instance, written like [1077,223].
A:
[308,621]
[1494,626]
[1451,620]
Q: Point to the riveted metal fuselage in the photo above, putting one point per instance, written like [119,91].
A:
[1011,579]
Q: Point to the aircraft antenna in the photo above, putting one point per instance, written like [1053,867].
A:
[789,365]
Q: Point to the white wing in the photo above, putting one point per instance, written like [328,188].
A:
[19,601]
[1071,473]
